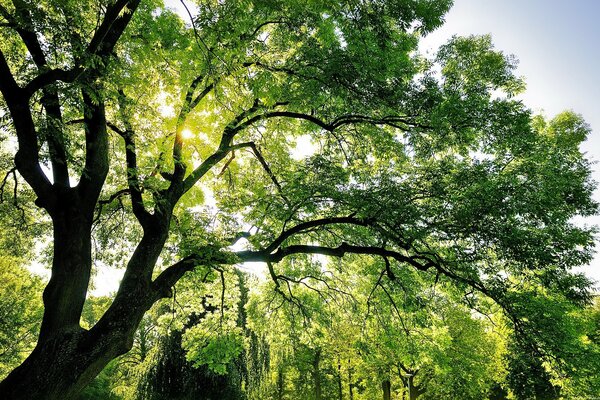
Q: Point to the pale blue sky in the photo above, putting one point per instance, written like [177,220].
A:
[557,43]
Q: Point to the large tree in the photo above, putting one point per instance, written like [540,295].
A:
[149,138]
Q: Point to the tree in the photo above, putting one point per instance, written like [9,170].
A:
[20,312]
[122,110]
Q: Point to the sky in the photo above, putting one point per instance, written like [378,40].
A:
[557,45]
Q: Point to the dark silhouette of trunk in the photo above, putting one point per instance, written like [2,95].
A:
[414,391]
[68,357]
[280,383]
[407,376]
[350,384]
[316,375]
[386,386]
[339,380]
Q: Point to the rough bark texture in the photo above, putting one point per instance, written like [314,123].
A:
[67,357]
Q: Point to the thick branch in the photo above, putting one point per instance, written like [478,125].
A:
[313,224]
[399,122]
[96,149]
[189,103]
[25,32]
[115,21]
[225,146]
[27,157]
[50,76]
[340,251]
[133,180]
[54,130]
[210,255]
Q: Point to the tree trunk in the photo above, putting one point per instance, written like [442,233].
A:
[68,357]
[414,392]
[386,386]
[61,366]
[350,384]
[317,375]
[280,383]
[339,380]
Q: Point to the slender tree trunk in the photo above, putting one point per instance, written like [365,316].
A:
[413,391]
[339,379]
[386,386]
[280,383]
[317,375]
[350,384]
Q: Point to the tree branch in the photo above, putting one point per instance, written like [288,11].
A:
[177,190]
[96,148]
[133,181]
[190,102]
[27,157]
[340,251]
[115,21]
[207,255]
[54,134]
[313,224]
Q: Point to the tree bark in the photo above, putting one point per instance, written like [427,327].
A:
[68,357]
[317,375]
[280,384]
[386,386]
[350,383]
[339,380]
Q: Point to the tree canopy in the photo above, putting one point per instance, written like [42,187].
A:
[288,133]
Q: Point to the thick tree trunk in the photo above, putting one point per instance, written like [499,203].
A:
[386,386]
[68,357]
[65,294]
[62,366]
[413,391]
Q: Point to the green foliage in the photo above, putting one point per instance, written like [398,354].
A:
[20,312]
[458,202]
[216,352]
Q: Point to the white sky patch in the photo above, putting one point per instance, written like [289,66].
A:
[165,109]
[304,148]
[340,36]
[106,281]
[40,270]
[181,8]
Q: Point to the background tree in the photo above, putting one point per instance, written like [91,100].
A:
[121,109]
[20,312]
